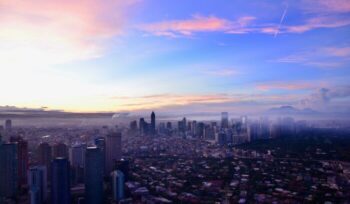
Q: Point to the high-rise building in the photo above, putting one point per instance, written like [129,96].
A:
[8,170]
[133,125]
[8,125]
[141,125]
[60,150]
[118,185]
[113,149]
[77,160]
[123,166]
[153,123]
[77,155]
[44,155]
[94,176]
[224,120]
[100,142]
[37,183]
[60,181]
[22,152]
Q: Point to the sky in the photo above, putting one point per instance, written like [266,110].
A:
[175,56]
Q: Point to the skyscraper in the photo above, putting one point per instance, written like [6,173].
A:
[153,123]
[44,155]
[224,120]
[37,183]
[100,142]
[22,152]
[60,150]
[94,176]
[60,181]
[8,170]
[77,160]
[113,149]
[8,125]
[118,185]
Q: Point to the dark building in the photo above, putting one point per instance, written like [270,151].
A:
[44,155]
[8,170]
[60,150]
[153,123]
[123,166]
[8,125]
[224,120]
[60,181]
[93,176]
[100,142]
[133,125]
[22,152]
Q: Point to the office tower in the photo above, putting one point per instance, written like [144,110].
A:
[168,125]
[22,152]
[153,123]
[194,128]
[141,125]
[100,142]
[8,170]
[224,120]
[94,176]
[123,166]
[60,181]
[8,125]
[77,155]
[77,160]
[221,138]
[37,184]
[60,150]
[118,185]
[44,155]
[113,149]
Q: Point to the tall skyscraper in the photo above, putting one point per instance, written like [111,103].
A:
[60,150]
[77,155]
[100,142]
[224,120]
[113,149]
[44,155]
[153,123]
[77,160]
[118,185]
[22,152]
[8,170]
[60,181]
[94,176]
[37,183]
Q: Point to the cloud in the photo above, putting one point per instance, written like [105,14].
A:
[57,31]
[326,6]
[324,57]
[221,72]
[324,97]
[285,86]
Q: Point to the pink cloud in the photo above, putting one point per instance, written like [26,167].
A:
[197,24]
[68,30]
[284,86]
[335,6]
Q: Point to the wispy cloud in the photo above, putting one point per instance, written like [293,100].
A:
[221,72]
[325,57]
[285,86]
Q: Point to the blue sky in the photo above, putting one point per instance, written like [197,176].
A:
[176,55]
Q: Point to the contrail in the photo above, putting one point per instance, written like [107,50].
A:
[281,21]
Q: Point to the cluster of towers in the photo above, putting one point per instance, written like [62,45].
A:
[57,167]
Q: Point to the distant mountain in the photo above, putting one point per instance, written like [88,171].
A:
[290,110]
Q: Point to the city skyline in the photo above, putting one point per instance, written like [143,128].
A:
[191,57]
